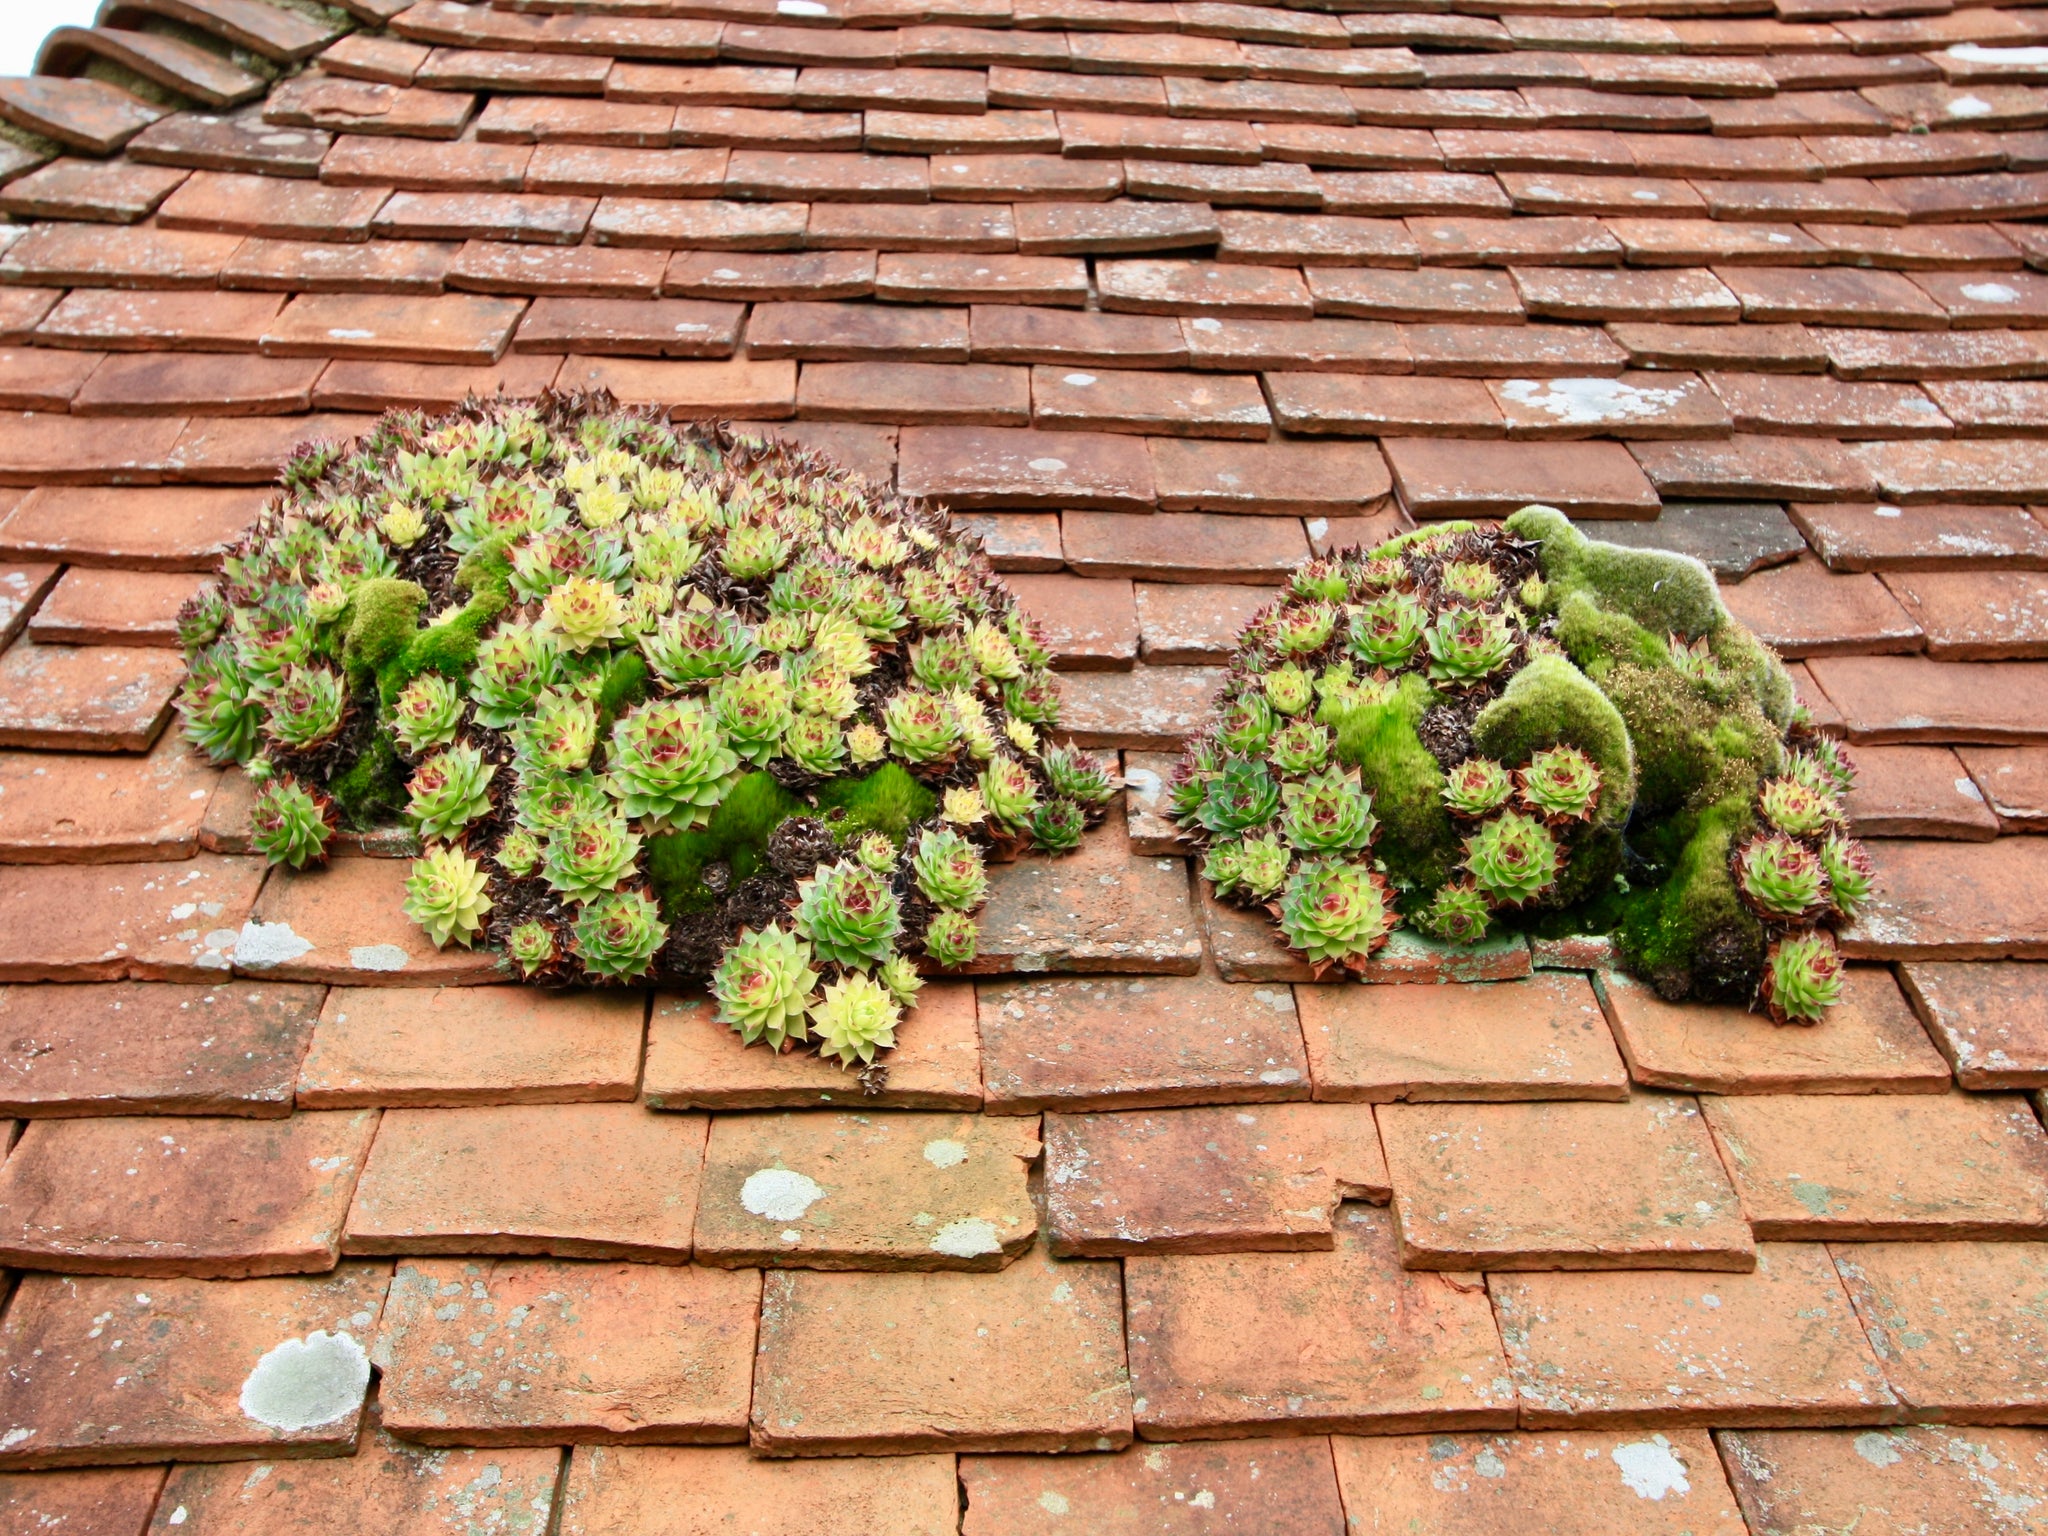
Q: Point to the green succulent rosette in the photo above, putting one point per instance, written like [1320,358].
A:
[763,986]
[288,824]
[1336,913]
[1803,978]
[849,915]
[616,935]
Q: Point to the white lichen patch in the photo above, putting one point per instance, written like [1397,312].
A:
[260,946]
[1651,1469]
[969,1238]
[945,1154]
[304,1383]
[780,1194]
[1990,293]
[378,957]
[1591,402]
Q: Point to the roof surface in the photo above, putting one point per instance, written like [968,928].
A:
[1161,297]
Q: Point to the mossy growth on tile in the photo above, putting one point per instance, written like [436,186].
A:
[1483,728]
[662,704]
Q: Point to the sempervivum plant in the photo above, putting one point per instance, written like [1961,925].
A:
[1781,878]
[1512,859]
[1560,784]
[1336,914]
[1797,809]
[1481,730]
[1476,787]
[288,823]
[1803,978]
[663,704]
[1467,645]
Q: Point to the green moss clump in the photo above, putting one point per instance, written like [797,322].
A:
[736,836]
[888,801]
[381,618]
[623,684]
[1691,935]
[1405,782]
[1667,594]
[1551,703]
[371,791]
[1597,638]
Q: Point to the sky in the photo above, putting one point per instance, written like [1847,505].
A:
[25,23]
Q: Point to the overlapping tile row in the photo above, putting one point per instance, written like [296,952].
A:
[1214,1262]
[1146,1230]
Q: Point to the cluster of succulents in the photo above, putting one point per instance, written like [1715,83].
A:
[658,704]
[1799,870]
[1474,729]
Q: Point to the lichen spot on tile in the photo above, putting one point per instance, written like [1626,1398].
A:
[260,946]
[1651,1469]
[378,957]
[1876,1447]
[304,1383]
[945,1154]
[968,1238]
[780,1194]
[1054,1502]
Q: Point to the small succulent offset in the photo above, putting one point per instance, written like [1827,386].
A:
[1796,809]
[617,934]
[1467,645]
[764,986]
[1477,787]
[446,894]
[855,1018]
[849,915]
[1336,913]
[288,824]
[949,870]
[1782,878]
[599,663]
[1803,977]
[1483,729]
[450,790]
[1560,784]
[1459,913]
[1513,859]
